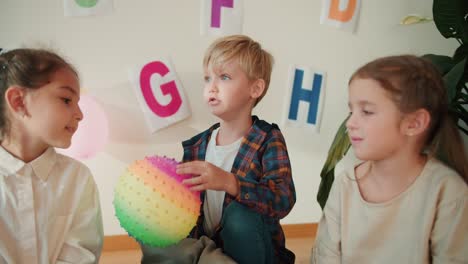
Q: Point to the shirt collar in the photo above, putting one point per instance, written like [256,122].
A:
[9,163]
[41,166]
[205,136]
[44,163]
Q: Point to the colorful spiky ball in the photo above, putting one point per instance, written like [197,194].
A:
[152,204]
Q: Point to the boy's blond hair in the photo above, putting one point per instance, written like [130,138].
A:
[253,60]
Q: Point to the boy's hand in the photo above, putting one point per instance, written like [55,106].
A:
[207,176]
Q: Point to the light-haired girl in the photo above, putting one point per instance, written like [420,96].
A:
[401,205]
[49,205]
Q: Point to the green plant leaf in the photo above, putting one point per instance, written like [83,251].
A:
[453,78]
[463,130]
[414,19]
[464,98]
[460,53]
[453,72]
[443,63]
[462,113]
[338,150]
[450,18]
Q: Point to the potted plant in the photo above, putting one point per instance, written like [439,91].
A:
[451,19]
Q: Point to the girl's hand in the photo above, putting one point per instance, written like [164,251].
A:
[206,176]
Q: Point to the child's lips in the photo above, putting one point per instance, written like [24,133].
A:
[71,129]
[213,101]
[355,140]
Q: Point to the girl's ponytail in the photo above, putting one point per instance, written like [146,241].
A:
[448,146]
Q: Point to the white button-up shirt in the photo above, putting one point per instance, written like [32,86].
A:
[49,211]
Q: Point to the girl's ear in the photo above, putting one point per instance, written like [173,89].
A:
[417,122]
[257,88]
[15,98]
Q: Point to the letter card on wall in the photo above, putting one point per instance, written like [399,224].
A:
[342,14]
[305,98]
[160,93]
[221,17]
[87,7]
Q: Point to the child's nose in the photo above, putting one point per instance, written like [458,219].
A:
[213,87]
[351,122]
[79,114]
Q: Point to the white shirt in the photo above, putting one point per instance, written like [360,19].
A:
[49,211]
[223,157]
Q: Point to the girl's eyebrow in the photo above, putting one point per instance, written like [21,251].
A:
[69,89]
[362,103]
[365,102]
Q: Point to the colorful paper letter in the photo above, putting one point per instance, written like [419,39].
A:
[170,88]
[221,17]
[340,13]
[87,7]
[160,94]
[305,98]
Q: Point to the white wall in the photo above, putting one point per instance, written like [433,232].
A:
[103,47]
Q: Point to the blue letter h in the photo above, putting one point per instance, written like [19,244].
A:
[299,94]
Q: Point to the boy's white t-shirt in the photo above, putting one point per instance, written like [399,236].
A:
[222,157]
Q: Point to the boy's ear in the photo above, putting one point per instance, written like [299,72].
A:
[257,88]
[15,98]
[417,122]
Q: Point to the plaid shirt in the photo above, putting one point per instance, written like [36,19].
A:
[263,171]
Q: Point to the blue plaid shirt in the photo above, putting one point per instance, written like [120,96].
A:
[263,170]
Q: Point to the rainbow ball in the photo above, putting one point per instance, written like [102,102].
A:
[152,204]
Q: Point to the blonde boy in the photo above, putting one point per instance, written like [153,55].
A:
[241,164]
